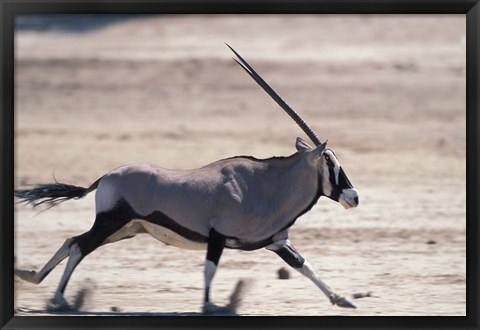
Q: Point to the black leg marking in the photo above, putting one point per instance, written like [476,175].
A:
[216,244]
[106,224]
[288,253]
[291,256]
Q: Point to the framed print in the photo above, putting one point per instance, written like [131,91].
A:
[151,177]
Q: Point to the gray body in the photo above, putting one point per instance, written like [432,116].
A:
[242,198]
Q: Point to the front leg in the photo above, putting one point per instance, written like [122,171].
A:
[216,243]
[290,255]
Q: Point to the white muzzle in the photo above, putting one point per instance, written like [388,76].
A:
[349,198]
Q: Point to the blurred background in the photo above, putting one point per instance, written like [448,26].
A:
[94,92]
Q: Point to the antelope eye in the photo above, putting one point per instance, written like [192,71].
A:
[328,160]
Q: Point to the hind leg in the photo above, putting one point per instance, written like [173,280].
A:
[69,249]
[79,248]
[36,278]
[75,256]
[107,228]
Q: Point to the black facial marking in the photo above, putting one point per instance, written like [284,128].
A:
[329,161]
[343,181]
[335,189]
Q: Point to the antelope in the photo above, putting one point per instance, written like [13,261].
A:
[237,203]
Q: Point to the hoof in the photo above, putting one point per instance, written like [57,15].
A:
[54,306]
[344,302]
[59,304]
[214,310]
[209,308]
[27,275]
[341,301]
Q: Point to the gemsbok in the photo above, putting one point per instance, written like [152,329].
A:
[239,203]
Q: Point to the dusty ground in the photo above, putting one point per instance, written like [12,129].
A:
[387,92]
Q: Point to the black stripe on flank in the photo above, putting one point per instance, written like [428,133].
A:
[113,220]
[165,221]
[161,219]
[237,244]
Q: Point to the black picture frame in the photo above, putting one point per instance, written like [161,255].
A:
[10,8]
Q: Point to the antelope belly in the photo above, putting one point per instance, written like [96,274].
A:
[170,237]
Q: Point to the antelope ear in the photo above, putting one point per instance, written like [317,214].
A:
[301,145]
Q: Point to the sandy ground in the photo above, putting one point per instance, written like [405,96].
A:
[387,92]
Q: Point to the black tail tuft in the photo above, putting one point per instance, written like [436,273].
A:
[52,194]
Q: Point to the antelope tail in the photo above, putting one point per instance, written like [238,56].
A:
[52,193]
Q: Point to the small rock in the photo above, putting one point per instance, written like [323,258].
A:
[362,295]
[431,242]
[283,273]
[114,309]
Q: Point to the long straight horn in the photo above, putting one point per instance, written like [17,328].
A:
[292,113]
